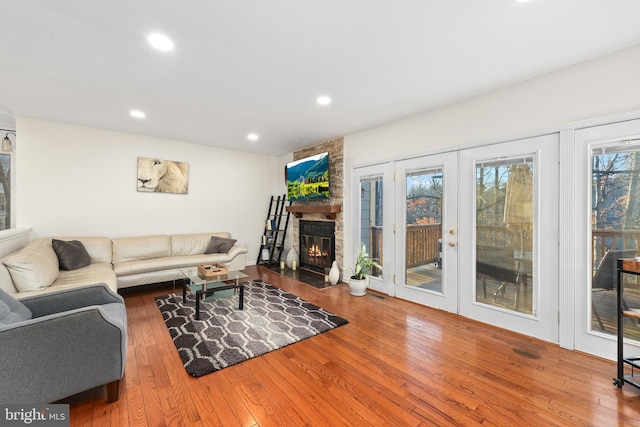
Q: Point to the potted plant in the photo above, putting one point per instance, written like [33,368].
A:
[359,280]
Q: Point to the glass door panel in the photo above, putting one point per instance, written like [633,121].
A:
[504,231]
[615,232]
[371,220]
[423,216]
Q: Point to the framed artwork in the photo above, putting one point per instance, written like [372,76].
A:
[162,176]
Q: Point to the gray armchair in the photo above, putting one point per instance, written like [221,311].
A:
[58,344]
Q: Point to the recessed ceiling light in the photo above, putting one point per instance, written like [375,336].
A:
[252,137]
[137,114]
[160,42]
[324,100]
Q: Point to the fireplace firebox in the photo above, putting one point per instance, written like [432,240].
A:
[317,244]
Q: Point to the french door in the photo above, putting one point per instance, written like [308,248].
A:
[426,230]
[476,233]
[606,192]
[374,222]
[508,239]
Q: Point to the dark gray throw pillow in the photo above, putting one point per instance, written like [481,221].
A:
[72,254]
[219,245]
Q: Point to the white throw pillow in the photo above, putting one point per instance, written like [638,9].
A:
[33,267]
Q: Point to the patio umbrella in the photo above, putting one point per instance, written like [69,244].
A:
[518,204]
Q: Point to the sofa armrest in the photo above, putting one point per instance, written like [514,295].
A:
[70,299]
[237,250]
[51,357]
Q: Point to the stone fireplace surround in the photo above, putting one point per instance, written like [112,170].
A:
[325,210]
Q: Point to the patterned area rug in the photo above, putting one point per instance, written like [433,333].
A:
[224,335]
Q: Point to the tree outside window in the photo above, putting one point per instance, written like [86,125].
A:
[616,205]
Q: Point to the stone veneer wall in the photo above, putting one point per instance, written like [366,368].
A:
[336,166]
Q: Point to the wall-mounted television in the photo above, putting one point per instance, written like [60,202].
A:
[308,178]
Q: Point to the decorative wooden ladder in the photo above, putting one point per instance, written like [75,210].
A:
[275,232]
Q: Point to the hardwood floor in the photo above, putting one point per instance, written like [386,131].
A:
[395,363]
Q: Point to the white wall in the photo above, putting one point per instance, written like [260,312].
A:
[74,180]
[596,88]
[604,86]
[77,180]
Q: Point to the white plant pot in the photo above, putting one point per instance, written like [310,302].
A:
[357,287]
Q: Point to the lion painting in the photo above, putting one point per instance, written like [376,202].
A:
[163,176]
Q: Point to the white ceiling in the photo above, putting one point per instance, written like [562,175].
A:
[258,66]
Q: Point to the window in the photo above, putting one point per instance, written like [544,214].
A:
[615,220]
[5,180]
[615,229]
[371,219]
[504,233]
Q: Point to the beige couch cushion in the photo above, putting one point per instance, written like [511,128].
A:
[193,244]
[94,273]
[157,264]
[138,248]
[33,267]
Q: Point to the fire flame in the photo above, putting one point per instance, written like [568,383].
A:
[314,251]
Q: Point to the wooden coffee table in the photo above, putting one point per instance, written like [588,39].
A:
[206,287]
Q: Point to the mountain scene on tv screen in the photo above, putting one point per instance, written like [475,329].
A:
[309,179]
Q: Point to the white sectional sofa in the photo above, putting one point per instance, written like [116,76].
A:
[119,262]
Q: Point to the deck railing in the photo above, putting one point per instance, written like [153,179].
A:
[608,240]
[422,241]
[376,243]
[422,244]
[602,242]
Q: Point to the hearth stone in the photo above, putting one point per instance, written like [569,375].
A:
[308,277]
